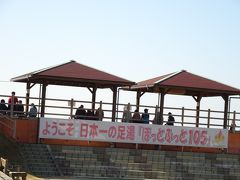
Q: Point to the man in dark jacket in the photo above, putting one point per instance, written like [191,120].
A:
[19,108]
[3,107]
[80,113]
[171,119]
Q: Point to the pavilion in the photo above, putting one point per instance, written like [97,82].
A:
[72,74]
[188,84]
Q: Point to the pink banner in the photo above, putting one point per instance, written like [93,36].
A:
[74,129]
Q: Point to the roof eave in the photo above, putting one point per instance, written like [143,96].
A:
[22,78]
[70,82]
[209,91]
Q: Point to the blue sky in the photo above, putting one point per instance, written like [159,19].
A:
[134,39]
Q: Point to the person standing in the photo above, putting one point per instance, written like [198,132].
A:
[127,115]
[20,108]
[80,113]
[33,111]
[145,117]
[136,116]
[158,119]
[171,119]
[99,114]
[3,107]
[12,100]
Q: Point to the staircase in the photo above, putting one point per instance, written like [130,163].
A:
[10,150]
[39,160]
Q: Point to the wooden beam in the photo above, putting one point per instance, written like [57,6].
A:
[138,97]
[114,103]
[91,90]
[94,90]
[28,87]
[225,98]
[44,88]
[160,119]
[198,100]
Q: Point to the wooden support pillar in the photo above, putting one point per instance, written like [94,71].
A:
[93,91]
[138,97]
[114,103]
[198,100]
[160,119]
[94,98]
[27,97]
[28,87]
[225,98]
[44,88]
[197,113]
[138,100]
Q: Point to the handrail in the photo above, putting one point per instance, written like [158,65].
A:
[183,116]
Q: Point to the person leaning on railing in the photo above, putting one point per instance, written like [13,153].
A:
[90,115]
[158,119]
[99,114]
[80,113]
[19,108]
[3,107]
[11,99]
[171,119]
[127,115]
[232,127]
[145,116]
[136,116]
[32,111]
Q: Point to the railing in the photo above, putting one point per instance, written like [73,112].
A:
[66,108]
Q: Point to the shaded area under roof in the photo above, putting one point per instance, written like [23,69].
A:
[185,83]
[73,74]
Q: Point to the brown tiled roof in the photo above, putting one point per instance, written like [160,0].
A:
[73,73]
[152,82]
[189,80]
[188,83]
